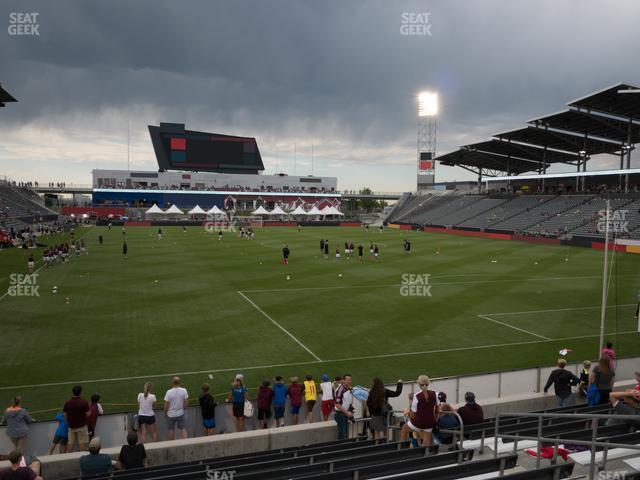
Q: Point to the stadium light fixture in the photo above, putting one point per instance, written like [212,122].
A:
[629,90]
[427,104]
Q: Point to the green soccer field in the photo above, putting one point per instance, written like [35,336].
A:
[200,307]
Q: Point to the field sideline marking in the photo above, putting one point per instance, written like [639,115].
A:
[368,357]
[41,267]
[558,310]
[526,279]
[293,337]
[485,317]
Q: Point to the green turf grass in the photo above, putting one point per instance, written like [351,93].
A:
[174,307]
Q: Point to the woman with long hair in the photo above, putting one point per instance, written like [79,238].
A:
[423,412]
[146,414]
[602,377]
[377,406]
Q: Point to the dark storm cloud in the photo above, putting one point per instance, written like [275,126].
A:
[322,68]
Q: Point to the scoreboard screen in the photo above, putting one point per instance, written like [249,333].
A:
[179,149]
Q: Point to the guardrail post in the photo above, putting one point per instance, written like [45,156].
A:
[495,437]
[500,385]
[539,446]
[594,437]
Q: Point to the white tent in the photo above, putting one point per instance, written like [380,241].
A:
[327,211]
[278,211]
[260,211]
[173,210]
[314,211]
[215,211]
[298,211]
[155,209]
[333,211]
[197,210]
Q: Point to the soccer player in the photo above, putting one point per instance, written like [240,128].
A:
[371,249]
[100,239]
[375,252]
[322,252]
[124,232]
[346,249]
[360,249]
[30,264]
[160,234]
[351,249]
[337,253]
[184,229]
[326,249]
[219,234]
[285,255]
[124,249]
[408,247]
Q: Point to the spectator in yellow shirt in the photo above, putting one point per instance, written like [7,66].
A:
[310,396]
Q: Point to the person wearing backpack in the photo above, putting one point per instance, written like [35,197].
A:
[378,406]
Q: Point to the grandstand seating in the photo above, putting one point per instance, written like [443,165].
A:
[470,211]
[20,205]
[504,211]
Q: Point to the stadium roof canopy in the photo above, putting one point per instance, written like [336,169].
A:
[613,101]
[605,122]
[5,97]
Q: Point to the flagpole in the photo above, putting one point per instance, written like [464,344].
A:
[604,280]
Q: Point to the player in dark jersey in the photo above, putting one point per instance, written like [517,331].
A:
[360,250]
[159,234]
[326,249]
[285,254]
[404,247]
[408,247]
[100,239]
[376,250]
[125,248]
[321,246]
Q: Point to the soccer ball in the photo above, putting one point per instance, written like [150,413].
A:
[535,263]
[339,274]
[55,289]
[288,277]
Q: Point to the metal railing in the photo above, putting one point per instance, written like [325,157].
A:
[556,441]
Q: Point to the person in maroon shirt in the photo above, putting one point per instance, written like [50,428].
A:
[18,470]
[471,413]
[95,409]
[265,397]
[294,392]
[423,412]
[76,413]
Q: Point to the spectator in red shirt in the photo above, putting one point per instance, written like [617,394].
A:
[19,470]
[76,412]
[471,413]
[95,409]
[265,398]
[294,392]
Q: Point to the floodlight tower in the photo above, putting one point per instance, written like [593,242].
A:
[427,114]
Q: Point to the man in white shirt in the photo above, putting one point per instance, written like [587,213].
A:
[175,401]
[343,407]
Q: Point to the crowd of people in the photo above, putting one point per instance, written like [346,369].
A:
[222,188]
[428,418]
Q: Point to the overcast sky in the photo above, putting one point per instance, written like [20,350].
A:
[337,74]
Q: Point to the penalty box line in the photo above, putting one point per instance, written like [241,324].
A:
[312,362]
[487,316]
[268,317]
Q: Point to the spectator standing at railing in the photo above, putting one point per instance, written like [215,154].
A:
[295,393]
[562,381]
[343,407]
[208,410]
[378,407]
[237,397]
[17,420]
[146,414]
[265,397]
[310,396]
[609,352]
[328,403]
[279,400]
[447,420]
[176,400]
[76,411]
[95,411]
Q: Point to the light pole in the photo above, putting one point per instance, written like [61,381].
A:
[427,115]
